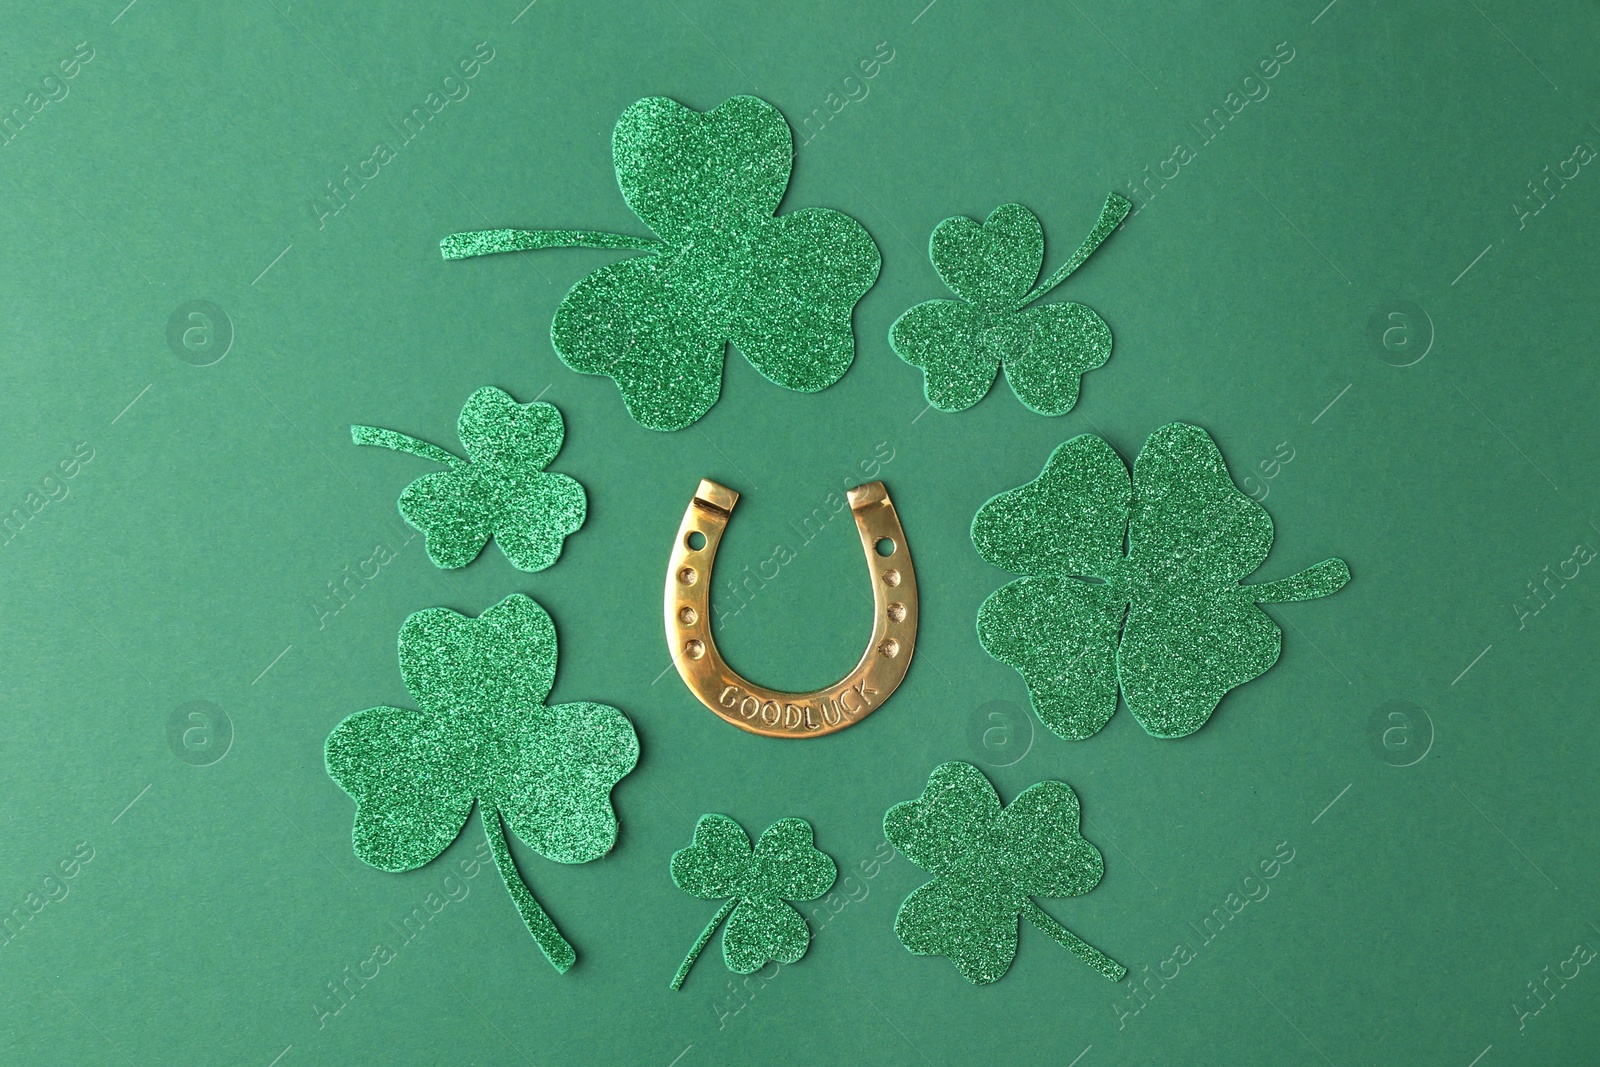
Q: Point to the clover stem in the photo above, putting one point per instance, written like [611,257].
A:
[1075,944]
[488,242]
[556,949]
[1321,580]
[705,936]
[401,442]
[1115,210]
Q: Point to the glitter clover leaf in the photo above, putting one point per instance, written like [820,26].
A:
[1169,620]
[500,489]
[785,865]
[989,863]
[485,736]
[724,267]
[962,344]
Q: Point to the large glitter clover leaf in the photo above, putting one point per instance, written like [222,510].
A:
[962,344]
[484,735]
[989,863]
[1168,620]
[785,865]
[500,489]
[724,267]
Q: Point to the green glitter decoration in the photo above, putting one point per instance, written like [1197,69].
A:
[499,490]
[1169,620]
[484,735]
[724,269]
[989,863]
[962,344]
[785,865]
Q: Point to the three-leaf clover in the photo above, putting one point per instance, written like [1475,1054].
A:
[500,489]
[962,344]
[1168,619]
[989,863]
[485,736]
[725,267]
[785,865]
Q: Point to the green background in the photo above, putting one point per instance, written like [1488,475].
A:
[190,558]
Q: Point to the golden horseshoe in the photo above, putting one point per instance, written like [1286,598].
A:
[766,711]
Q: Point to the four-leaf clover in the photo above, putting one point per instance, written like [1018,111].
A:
[785,865]
[485,736]
[1168,619]
[962,344]
[501,489]
[989,863]
[725,267]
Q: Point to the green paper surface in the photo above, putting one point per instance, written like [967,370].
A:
[207,576]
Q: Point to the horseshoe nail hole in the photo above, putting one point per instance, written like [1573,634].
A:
[897,613]
[891,577]
[885,546]
[694,649]
[688,576]
[694,540]
[688,616]
[889,647]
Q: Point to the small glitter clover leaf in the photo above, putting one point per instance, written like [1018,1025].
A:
[785,865]
[1169,620]
[725,267]
[500,489]
[485,736]
[989,863]
[962,344]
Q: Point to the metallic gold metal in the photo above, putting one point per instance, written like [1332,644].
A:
[767,711]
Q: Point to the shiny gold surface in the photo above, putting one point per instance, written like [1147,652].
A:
[767,711]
